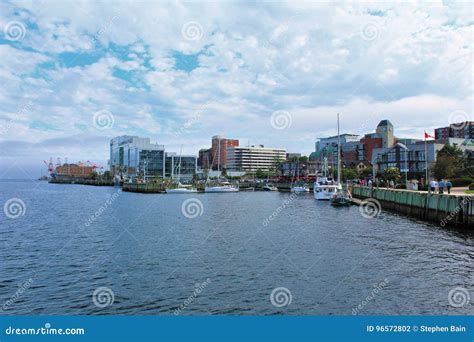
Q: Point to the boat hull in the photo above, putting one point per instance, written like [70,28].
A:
[221,189]
[299,189]
[180,191]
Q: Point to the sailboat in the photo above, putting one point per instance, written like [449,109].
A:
[340,199]
[180,188]
[221,186]
[300,187]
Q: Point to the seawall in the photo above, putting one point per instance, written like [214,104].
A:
[443,209]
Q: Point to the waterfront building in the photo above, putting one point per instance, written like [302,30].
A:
[322,143]
[74,170]
[184,166]
[369,142]
[219,151]
[132,155]
[409,155]
[463,130]
[204,158]
[385,131]
[253,158]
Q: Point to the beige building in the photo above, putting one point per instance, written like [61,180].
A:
[253,158]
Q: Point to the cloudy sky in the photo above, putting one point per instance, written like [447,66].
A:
[75,74]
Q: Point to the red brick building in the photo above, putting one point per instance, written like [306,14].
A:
[219,151]
[370,142]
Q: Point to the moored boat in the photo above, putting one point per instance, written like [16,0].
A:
[269,187]
[221,187]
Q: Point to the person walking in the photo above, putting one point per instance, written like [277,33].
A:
[392,184]
[441,186]
[433,185]
[449,185]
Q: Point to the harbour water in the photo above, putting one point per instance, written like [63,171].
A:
[154,251]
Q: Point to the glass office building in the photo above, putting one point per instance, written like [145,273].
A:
[133,156]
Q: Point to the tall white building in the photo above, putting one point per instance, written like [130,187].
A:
[253,158]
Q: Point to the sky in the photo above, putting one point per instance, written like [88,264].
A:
[73,75]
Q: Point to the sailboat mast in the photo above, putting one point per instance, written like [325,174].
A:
[338,152]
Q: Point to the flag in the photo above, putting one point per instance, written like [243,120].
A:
[428,136]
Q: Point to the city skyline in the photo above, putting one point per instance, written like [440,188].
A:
[77,75]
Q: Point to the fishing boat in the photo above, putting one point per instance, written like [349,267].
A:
[324,187]
[340,198]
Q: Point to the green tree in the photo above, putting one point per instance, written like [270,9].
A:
[450,162]
[392,173]
[367,171]
[261,174]
[348,174]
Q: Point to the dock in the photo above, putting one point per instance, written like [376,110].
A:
[444,209]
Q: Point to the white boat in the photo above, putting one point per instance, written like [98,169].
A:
[222,187]
[269,187]
[324,188]
[181,188]
[298,189]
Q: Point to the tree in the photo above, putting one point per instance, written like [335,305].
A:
[261,174]
[348,174]
[450,162]
[367,172]
[392,173]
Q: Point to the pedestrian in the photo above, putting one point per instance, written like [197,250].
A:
[392,184]
[448,185]
[433,185]
[441,186]
[370,183]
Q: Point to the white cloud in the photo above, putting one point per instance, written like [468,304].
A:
[313,59]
